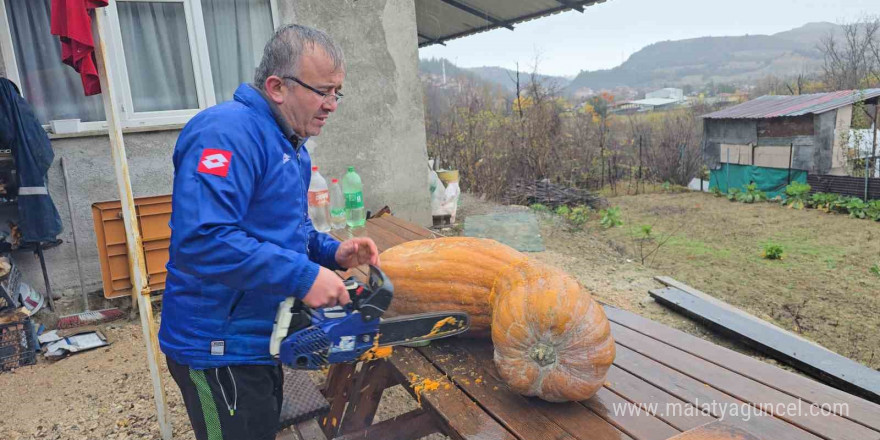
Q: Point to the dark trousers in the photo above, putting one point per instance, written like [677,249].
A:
[231,403]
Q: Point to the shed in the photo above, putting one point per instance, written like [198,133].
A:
[774,140]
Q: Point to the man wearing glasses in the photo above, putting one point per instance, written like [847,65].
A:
[242,241]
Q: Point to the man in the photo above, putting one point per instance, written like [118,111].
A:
[241,239]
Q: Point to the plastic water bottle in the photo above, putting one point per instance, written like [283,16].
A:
[337,205]
[355,214]
[319,202]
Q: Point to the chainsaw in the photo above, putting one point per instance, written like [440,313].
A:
[309,339]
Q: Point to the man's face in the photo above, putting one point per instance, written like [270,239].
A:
[305,110]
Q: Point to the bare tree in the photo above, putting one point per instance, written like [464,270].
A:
[852,59]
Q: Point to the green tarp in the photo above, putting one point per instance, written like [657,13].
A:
[770,180]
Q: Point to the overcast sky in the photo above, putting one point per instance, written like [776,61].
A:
[605,34]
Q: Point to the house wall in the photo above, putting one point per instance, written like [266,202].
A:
[379,128]
[716,132]
[842,122]
[773,141]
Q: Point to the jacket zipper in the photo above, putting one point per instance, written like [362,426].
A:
[305,196]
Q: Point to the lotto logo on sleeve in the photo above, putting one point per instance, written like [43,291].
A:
[215,162]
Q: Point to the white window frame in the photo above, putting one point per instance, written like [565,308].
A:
[129,118]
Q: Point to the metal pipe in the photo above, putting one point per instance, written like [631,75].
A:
[39,252]
[874,144]
[82,288]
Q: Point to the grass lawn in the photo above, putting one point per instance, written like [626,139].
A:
[823,288]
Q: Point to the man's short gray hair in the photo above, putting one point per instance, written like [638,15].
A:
[284,50]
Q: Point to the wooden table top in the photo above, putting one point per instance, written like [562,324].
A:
[664,384]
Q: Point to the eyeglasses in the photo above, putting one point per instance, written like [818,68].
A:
[329,98]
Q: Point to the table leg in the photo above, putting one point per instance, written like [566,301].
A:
[361,389]
[364,399]
[339,379]
[49,298]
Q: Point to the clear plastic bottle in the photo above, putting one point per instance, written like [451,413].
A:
[355,214]
[337,205]
[319,201]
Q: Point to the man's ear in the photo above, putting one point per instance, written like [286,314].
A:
[275,90]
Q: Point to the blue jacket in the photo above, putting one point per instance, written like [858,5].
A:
[241,238]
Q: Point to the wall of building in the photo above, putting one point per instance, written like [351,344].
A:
[807,140]
[725,131]
[842,123]
[379,128]
[825,125]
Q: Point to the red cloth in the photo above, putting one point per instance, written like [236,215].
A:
[71,22]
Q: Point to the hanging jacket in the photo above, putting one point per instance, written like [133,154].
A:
[21,132]
[241,237]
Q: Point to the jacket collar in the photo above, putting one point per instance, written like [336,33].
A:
[255,98]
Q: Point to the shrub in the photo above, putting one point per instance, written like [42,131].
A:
[610,217]
[751,195]
[772,251]
[856,207]
[796,195]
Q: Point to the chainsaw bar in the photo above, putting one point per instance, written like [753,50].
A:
[408,329]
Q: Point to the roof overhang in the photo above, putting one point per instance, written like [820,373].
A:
[438,21]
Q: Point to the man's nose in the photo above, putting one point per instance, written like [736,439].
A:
[330,105]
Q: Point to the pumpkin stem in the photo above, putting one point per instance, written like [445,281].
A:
[543,354]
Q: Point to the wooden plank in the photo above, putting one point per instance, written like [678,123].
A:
[640,425]
[396,228]
[672,410]
[704,397]
[858,409]
[716,431]
[384,239]
[412,425]
[364,397]
[806,416]
[671,282]
[140,291]
[424,232]
[469,364]
[830,367]
[458,415]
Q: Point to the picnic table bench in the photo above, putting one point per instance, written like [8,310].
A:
[664,384]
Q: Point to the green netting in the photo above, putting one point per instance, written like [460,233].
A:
[770,180]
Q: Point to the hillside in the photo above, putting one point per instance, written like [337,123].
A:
[496,77]
[507,78]
[699,61]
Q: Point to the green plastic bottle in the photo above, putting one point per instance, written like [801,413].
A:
[353,190]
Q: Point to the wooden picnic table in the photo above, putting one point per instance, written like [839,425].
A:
[664,384]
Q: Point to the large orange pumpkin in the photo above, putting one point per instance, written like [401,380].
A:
[552,340]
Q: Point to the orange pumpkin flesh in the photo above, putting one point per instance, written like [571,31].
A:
[552,340]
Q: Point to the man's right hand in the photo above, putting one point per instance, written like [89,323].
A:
[328,290]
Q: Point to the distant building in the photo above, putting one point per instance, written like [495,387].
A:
[657,100]
[773,140]
[667,93]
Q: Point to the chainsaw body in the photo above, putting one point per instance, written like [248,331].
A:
[310,339]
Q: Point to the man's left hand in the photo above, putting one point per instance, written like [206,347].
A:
[357,251]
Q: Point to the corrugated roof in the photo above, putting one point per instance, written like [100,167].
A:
[438,21]
[779,106]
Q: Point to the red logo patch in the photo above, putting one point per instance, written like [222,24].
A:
[215,162]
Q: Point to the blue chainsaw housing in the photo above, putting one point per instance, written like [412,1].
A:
[336,335]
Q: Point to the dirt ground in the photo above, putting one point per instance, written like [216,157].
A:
[823,289]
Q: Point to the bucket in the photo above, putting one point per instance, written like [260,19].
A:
[448,176]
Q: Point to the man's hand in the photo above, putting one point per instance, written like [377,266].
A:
[357,251]
[327,291]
